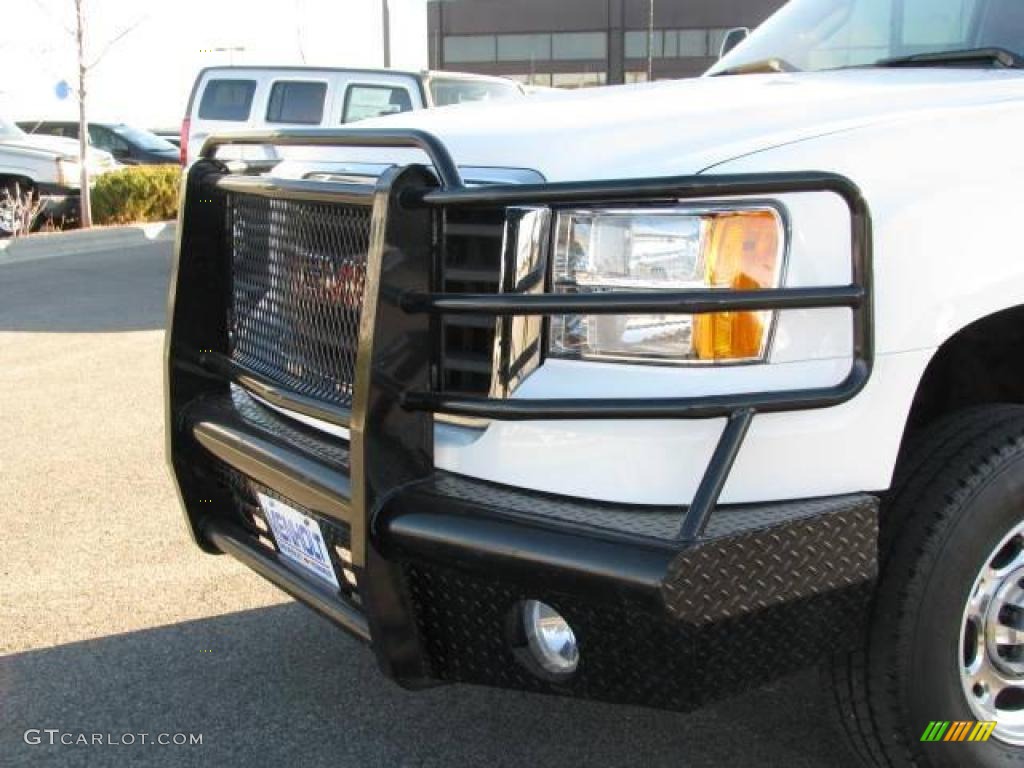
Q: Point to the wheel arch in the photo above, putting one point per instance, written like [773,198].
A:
[982,363]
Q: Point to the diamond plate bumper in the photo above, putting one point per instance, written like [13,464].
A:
[771,589]
[767,590]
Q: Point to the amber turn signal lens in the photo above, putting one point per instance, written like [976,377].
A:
[742,254]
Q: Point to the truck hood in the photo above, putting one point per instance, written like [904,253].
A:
[686,126]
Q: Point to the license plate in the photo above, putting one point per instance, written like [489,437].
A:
[299,538]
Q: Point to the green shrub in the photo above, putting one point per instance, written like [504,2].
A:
[137,193]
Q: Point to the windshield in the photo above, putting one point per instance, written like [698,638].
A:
[447,91]
[143,139]
[830,34]
[10,131]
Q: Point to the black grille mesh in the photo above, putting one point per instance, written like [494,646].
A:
[298,273]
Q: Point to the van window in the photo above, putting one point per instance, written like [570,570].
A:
[296,102]
[227,100]
[363,101]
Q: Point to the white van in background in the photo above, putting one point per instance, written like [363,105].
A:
[236,98]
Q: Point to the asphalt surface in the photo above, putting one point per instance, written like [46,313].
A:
[111,622]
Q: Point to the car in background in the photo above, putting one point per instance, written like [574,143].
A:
[170,135]
[128,145]
[44,168]
[234,98]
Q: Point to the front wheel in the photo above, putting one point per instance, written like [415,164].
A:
[939,680]
[992,641]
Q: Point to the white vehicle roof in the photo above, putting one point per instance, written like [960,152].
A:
[254,97]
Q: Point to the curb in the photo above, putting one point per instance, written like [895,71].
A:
[49,244]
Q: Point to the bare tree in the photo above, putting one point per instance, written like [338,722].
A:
[299,18]
[84,69]
[85,201]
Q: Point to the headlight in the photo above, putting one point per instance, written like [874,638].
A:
[68,172]
[666,249]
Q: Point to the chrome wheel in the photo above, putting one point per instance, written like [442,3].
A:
[992,641]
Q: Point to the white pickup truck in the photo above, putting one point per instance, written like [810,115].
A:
[44,168]
[645,394]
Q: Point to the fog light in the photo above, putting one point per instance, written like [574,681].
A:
[550,639]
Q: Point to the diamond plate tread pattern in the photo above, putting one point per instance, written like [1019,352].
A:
[729,521]
[739,610]
[626,656]
[651,522]
[734,575]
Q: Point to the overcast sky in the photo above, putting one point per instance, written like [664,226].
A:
[145,78]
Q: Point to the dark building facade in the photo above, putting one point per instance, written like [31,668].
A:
[576,43]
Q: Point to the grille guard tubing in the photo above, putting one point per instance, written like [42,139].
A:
[379,491]
[400,305]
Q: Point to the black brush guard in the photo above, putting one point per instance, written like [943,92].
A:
[714,600]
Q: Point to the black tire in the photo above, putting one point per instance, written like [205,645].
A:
[959,490]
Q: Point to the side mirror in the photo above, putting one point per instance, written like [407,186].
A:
[732,38]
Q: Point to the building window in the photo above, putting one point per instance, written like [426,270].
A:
[636,44]
[657,38]
[636,77]
[578,79]
[469,48]
[575,46]
[524,47]
[694,43]
[675,43]
[670,43]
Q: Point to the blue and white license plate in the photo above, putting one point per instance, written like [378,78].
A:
[299,539]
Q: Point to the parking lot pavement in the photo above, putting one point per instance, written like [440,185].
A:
[111,622]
